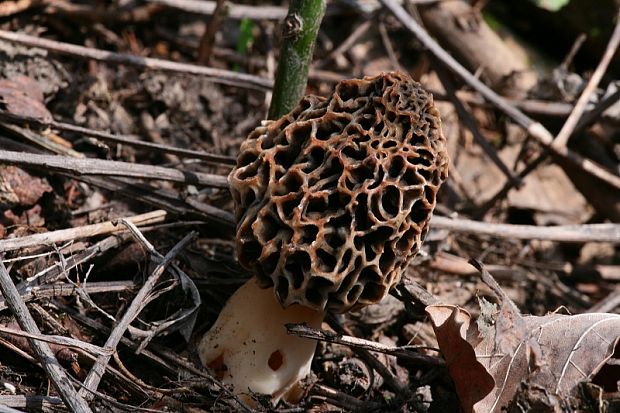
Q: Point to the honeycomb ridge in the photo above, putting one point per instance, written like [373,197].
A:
[334,199]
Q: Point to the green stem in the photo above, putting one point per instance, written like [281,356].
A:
[298,35]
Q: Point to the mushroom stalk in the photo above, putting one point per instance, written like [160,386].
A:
[248,346]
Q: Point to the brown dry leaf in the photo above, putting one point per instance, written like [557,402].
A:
[572,349]
[23,96]
[457,336]
[506,326]
[556,353]
[19,188]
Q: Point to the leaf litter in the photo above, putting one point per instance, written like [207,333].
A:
[504,360]
[507,358]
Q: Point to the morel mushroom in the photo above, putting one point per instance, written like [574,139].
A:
[332,201]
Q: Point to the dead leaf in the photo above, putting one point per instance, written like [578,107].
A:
[22,96]
[455,335]
[19,188]
[572,349]
[509,328]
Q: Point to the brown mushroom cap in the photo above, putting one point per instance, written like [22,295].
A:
[334,199]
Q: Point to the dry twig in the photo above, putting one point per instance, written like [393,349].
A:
[39,403]
[216,75]
[139,301]
[54,370]
[122,139]
[208,38]
[90,166]
[57,340]
[573,119]
[234,11]
[86,231]
[563,233]
[302,330]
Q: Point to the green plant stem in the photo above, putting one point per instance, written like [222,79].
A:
[301,26]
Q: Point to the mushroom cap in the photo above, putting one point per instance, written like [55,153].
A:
[334,199]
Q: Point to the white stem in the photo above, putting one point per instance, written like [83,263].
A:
[249,348]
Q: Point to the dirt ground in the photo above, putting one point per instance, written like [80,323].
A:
[63,108]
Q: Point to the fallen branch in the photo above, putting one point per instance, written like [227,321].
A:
[86,231]
[57,340]
[607,304]
[469,121]
[110,137]
[563,233]
[66,289]
[163,199]
[302,330]
[343,400]
[233,11]
[36,403]
[216,75]
[5,409]
[162,357]
[90,166]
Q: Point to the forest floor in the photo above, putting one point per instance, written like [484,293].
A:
[79,238]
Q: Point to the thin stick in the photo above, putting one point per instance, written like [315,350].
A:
[165,359]
[208,38]
[90,166]
[124,139]
[593,114]
[96,373]
[569,126]
[91,13]
[358,32]
[46,356]
[263,12]
[66,289]
[607,304]
[58,340]
[43,403]
[54,272]
[470,122]
[6,409]
[161,198]
[372,361]
[234,11]
[216,75]
[343,400]
[482,211]
[39,141]
[410,291]
[563,233]
[301,26]
[86,231]
[568,59]
[387,45]
[302,330]
[536,129]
